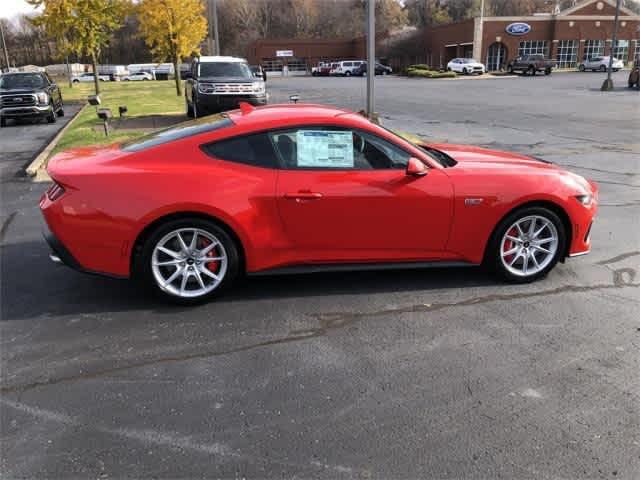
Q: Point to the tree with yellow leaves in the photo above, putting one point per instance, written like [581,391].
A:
[81,26]
[173,29]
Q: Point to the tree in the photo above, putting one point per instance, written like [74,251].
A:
[173,29]
[82,27]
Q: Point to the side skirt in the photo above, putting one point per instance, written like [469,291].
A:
[357,267]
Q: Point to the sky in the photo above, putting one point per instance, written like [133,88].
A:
[11,8]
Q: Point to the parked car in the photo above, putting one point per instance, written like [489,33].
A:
[294,188]
[88,77]
[530,64]
[29,95]
[380,69]
[221,83]
[600,64]
[634,77]
[137,77]
[259,72]
[466,66]
[345,68]
[322,70]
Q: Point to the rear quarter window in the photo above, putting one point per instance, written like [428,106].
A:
[256,150]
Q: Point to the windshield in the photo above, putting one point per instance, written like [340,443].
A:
[467,60]
[181,130]
[21,81]
[440,157]
[224,69]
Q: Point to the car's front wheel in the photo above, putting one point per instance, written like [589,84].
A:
[582,68]
[603,68]
[188,260]
[527,245]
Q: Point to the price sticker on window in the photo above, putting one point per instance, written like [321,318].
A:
[324,149]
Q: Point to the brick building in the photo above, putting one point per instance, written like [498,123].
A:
[568,36]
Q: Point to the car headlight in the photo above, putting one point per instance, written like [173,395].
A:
[258,87]
[585,199]
[42,97]
[206,87]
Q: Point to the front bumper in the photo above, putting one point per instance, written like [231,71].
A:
[31,111]
[217,103]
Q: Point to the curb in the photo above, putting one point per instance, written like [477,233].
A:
[42,157]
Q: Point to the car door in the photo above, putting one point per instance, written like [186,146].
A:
[344,195]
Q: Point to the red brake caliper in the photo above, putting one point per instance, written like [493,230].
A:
[213,266]
[508,244]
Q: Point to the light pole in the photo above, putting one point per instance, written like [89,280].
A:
[371,54]
[4,46]
[215,27]
[608,83]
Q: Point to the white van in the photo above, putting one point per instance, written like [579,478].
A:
[345,68]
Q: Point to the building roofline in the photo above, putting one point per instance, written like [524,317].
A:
[557,17]
[584,3]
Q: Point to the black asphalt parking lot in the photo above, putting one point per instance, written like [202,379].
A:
[405,374]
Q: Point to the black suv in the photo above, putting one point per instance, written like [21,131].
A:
[221,83]
[380,69]
[29,95]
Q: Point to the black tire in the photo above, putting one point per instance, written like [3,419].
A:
[51,118]
[603,68]
[3,122]
[531,71]
[75,81]
[510,69]
[465,71]
[616,69]
[547,71]
[348,74]
[582,68]
[60,111]
[492,255]
[143,271]
[189,108]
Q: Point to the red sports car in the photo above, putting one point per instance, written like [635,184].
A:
[287,188]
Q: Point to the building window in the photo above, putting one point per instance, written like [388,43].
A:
[297,64]
[567,53]
[621,50]
[637,53]
[533,47]
[593,48]
[272,65]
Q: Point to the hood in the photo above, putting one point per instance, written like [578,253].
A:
[229,79]
[19,91]
[477,157]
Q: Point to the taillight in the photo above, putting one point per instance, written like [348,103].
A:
[55,192]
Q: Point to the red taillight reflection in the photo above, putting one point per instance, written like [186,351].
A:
[55,192]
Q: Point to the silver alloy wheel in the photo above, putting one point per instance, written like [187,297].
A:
[189,262]
[529,245]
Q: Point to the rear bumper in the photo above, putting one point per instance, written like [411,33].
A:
[31,111]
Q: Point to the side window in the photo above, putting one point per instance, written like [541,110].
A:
[255,150]
[336,148]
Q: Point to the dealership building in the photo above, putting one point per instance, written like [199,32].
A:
[568,36]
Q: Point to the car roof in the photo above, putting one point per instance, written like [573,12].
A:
[220,58]
[292,114]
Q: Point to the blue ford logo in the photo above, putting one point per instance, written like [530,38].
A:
[518,28]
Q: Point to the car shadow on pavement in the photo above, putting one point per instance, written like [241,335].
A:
[33,286]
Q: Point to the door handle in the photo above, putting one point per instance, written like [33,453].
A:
[298,196]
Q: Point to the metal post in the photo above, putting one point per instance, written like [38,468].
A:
[371,54]
[215,28]
[4,46]
[608,83]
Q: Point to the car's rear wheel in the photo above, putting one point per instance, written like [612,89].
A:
[510,69]
[188,260]
[582,68]
[3,122]
[531,70]
[547,71]
[527,245]
[348,74]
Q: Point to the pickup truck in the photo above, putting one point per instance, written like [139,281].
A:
[322,70]
[29,95]
[531,64]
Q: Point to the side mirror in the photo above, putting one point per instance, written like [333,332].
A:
[416,168]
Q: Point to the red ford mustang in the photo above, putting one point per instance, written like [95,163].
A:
[287,188]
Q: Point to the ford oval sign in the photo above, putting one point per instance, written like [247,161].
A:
[518,28]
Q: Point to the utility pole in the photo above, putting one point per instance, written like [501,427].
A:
[371,54]
[608,83]
[213,43]
[4,46]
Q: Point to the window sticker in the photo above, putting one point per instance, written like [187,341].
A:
[324,148]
